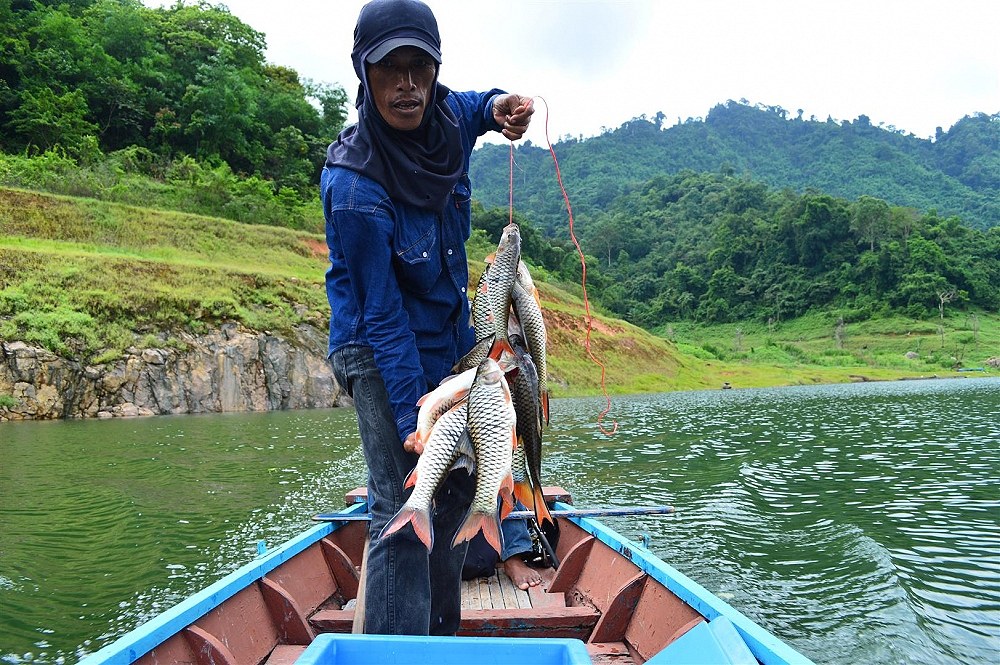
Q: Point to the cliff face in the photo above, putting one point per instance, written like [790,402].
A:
[231,369]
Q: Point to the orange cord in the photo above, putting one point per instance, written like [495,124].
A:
[583,265]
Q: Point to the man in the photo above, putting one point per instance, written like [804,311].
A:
[396,197]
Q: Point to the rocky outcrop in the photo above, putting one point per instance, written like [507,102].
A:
[231,369]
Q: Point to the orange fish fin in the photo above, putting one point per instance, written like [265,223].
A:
[506,496]
[522,491]
[419,519]
[542,513]
[411,478]
[499,347]
[545,406]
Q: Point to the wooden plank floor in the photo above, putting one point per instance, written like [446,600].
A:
[493,593]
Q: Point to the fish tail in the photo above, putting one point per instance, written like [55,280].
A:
[420,519]
[476,522]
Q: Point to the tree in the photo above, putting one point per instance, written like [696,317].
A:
[46,120]
[870,220]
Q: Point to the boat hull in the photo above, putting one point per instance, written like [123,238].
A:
[622,602]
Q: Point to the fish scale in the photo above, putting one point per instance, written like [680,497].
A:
[491,422]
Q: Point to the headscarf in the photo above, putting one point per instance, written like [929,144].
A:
[419,167]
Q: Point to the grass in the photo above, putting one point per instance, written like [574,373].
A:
[88,279]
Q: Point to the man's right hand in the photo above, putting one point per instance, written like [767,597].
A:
[412,445]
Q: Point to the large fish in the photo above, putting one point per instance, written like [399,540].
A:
[529,315]
[524,392]
[491,422]
[441,451]
[450,392]
[500,278]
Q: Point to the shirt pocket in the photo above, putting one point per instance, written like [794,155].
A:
[462,197]
[418,259]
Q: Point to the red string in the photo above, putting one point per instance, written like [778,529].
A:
[583,265]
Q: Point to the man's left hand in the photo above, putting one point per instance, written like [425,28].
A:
[513,113]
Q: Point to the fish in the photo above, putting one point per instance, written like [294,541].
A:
[491,425]
[449,392]
[482,314]
[529,315]
[500,278]
[441,452]
[524,392]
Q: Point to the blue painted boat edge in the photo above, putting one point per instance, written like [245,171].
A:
[146,637]
[764,645]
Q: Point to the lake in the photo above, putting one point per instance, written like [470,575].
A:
[860,523]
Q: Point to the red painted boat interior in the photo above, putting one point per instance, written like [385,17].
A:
[596,595]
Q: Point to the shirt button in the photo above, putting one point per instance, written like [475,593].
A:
[425,255]
[463,289]
[450,252]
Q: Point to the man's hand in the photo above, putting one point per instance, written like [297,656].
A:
[513,113]
[412,445]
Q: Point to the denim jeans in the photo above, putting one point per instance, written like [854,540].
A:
[408,591]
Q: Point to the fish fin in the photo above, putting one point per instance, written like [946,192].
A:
[522,491]
[466,462]
[476,522]
[542,513]
[506,496]
[411,478]
[419,519]
[545,406]
[500,345]
[490,258]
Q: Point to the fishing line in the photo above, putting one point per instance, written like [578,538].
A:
[583,267]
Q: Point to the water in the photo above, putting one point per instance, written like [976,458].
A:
[861,523]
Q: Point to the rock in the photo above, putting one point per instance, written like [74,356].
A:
[230,369]
[912,355]
[993,362]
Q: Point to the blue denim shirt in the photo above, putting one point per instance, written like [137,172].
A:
[398,274]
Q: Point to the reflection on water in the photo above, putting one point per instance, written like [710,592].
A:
[861,523]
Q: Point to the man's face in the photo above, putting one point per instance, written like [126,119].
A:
[401,85]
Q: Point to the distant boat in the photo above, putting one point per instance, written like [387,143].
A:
[609,601]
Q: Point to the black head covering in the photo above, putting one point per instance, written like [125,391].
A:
[419,167]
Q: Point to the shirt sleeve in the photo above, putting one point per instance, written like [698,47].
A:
[366,241]
[475,112]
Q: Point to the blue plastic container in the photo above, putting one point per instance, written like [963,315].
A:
[336,649]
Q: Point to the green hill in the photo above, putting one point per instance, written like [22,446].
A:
[87,279]
[957,174]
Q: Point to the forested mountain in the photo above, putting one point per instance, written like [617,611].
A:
[722,248]
[92,78]
[957,174]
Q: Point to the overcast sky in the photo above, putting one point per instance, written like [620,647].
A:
[915,65]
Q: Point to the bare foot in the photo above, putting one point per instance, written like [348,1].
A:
[520,573]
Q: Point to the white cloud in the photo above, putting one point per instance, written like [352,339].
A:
[913,64]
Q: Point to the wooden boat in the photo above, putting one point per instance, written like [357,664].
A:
[610,599]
